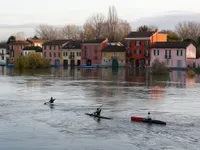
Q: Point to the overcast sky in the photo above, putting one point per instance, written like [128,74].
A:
[24,15]
[76,11]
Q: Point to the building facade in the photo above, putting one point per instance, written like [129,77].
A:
[113,55]
[138,47]
[71,53]
[15,49]
[32,49]
[91,52]
[174,54]
[52,50]
[3,54]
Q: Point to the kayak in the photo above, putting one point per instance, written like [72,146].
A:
[93,115]
[145,120]
[48,103]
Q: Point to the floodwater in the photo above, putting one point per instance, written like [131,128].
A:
[27,124]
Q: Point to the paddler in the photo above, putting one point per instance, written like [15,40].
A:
[98,112]
[149,117]
[52,100]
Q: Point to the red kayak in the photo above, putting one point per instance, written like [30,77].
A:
[145,120]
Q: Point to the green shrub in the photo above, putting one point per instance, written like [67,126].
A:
[159,67]
[33,60]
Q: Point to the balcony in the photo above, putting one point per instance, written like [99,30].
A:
[71,56]
[128,54]
[114,57]
[95,57]
[146,54]
[167,56]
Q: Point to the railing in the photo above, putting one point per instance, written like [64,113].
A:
[114,57]
[128,54]
[146,54]
[167,56]
[71,56]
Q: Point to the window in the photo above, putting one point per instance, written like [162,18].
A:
[146,43]
[54,54]
[63,53]
[2,57]
[146,62]
[137,43]
[121,61]
[44,54]
[128,44]
[104,54]
[122,54]
[66,54]
[54,47]
[59,55]
[49,54]
[156,52]
[77,54]
[50,47]
[137,51]
[44,47]
[179,52]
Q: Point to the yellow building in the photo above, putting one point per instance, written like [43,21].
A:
[114,55]
[71,53]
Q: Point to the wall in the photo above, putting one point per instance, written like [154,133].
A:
[174,58]
[68,52]
[107,58]
[158,37]
[54,50]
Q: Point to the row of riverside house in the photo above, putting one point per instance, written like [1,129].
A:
[140,49]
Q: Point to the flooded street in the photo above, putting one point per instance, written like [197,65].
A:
[27,124]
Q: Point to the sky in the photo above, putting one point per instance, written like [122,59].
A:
[61,12]
[76,11]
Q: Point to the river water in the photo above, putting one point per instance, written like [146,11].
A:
[27,124]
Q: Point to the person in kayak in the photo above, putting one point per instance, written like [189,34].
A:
[98,112]
[52,100]
[149,117]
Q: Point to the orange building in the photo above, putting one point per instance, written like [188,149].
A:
[138,47]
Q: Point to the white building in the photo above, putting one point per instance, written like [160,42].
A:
[32,49]
[3,54]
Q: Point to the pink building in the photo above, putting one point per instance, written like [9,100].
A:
[91,54]
[175,54]
[53,51]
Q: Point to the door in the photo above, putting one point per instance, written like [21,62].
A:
[72,62]
[57,62]
[137,63]
[65,63]
[89,62]
[78,62]
[115,63]
[179,63]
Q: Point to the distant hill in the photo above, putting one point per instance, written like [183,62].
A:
[167,20]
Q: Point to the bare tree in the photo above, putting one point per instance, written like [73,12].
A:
[19,35]
[48,32]
[188,30]
[124,29]
[71,31]
[112,22]
[88,32]
[146,28]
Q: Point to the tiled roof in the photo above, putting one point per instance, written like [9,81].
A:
[73,45]
[140,34]
[2,45]
[170,45]
[56,42]
[36,48]
[114,48]
[94,41]
[20,43]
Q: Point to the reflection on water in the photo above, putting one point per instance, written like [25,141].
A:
[26,123]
